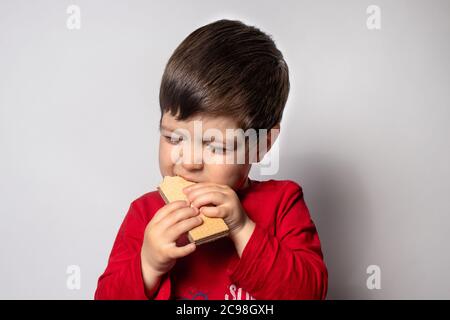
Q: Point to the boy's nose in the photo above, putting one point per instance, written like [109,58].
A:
[192,166]
[192,160]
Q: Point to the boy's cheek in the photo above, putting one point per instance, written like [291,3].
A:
[167,155]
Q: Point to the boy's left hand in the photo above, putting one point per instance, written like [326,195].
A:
[225,200]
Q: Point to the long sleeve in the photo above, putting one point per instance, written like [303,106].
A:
[287,263]
[122,278]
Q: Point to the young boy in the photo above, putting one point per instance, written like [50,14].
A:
[225,75]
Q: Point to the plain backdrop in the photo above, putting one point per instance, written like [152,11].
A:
[365,132]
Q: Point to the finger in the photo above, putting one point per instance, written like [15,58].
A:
[168,208]
[179,252]
[215,198]
[196,192]
[212,212]
[177,216]
[201,185]
[175,231]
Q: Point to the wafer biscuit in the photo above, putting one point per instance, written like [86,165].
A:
[171,189]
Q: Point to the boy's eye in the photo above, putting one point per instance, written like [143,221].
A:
[173,140]
[217,149]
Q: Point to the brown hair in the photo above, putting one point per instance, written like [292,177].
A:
[226,68]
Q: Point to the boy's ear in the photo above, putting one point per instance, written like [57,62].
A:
[272,136]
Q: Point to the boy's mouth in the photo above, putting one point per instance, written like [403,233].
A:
[187,178]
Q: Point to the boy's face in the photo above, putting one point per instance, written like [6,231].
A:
[188,149]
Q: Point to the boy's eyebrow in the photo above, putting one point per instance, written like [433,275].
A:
[163,127]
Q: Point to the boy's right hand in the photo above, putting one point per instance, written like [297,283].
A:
[159,250]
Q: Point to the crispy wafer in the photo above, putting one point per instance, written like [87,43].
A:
[171,189]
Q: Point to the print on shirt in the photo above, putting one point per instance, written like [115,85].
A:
[193,294]
[238,294]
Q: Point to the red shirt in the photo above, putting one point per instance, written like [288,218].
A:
[282,259]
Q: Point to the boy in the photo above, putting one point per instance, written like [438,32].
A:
[225,75]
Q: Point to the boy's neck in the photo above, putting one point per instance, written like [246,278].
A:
[245,185]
